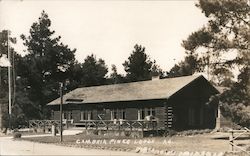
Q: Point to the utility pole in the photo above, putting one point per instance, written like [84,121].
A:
[9,77]
[61,103]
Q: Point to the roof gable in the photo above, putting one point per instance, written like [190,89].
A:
[143,90]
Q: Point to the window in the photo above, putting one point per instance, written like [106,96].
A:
[67,115]
[86,115]
[123,114]
[152,111]
[90,115]
[149,111]
[117,114]
[83,115]
[142,113]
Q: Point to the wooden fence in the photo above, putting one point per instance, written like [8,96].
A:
[140,125]
[236,134]
[43,124]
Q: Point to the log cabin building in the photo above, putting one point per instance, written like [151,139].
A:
[173,103]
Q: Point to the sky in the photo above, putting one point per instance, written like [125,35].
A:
[110,29]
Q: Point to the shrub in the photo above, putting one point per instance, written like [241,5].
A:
[170,133]
[194,132]
[17,135]
[237,112]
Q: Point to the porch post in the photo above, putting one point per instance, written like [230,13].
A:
[218,118]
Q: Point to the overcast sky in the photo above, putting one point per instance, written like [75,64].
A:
[110,29]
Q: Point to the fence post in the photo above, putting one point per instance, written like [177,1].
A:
[231,140]
[44,127]
[130,123]
[96,125]
[53,130]
[119,126]
[107,125]
[142,127]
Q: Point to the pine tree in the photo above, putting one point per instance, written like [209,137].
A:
[93,71]
[47,63]
[115,77]
[138,66]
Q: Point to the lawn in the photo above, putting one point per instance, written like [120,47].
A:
[212,142]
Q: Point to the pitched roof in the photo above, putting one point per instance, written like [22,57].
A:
[143,90]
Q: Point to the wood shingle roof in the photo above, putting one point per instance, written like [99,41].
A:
[143,90]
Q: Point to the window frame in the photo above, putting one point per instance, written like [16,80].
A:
[143,112]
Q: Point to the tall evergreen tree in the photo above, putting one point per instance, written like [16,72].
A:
[187,67]
[93,71]
[115,77]
[138,66]
[47,63]
[156,70]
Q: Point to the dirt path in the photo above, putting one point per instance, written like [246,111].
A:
[8,146]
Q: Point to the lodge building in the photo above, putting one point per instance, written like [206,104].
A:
[177,103]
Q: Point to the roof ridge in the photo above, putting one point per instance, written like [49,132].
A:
[195,76]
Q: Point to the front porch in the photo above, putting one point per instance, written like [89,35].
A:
[132,128]
[127,125]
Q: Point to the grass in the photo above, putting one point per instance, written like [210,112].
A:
[190,141]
